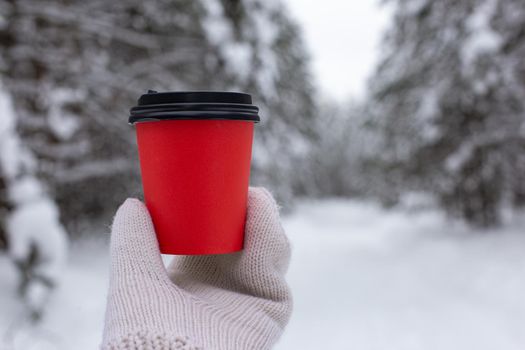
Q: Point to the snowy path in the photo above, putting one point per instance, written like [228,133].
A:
[365,279]
[362,278]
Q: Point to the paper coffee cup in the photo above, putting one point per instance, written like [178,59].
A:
[195,152]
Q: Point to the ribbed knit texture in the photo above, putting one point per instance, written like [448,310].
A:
[147,340]
[229,301]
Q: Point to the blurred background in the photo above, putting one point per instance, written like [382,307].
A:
[392,134]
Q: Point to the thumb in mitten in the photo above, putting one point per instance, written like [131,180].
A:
[134,248]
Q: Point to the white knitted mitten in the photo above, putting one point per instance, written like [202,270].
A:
[230,301]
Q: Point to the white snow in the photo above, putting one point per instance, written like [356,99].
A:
[427,112]
[368,279]
[33,224]
[6,107]
[25,190]
[363,278]
[75,312]
[220,33]
[12,155]
[216,26]
[457,159]
[414,6]
[239,53]
[267,32]
[482,38]
[63,124]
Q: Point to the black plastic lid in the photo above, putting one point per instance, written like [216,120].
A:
[155,106]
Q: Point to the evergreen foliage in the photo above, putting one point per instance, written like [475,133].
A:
[449,104]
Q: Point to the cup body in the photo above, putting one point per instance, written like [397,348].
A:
[195,176]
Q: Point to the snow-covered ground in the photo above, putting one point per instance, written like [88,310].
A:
[370,279]
[363,278]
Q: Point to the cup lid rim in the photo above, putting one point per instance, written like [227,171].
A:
[194,105]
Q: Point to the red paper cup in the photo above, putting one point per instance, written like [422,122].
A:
[195,153]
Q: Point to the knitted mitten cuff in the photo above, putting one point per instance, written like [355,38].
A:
[147,341]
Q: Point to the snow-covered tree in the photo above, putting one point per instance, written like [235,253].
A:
[74,68]
[448,101]
[336,165]
[263,53]
[36,239]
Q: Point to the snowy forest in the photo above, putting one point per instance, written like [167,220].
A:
[439,134]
